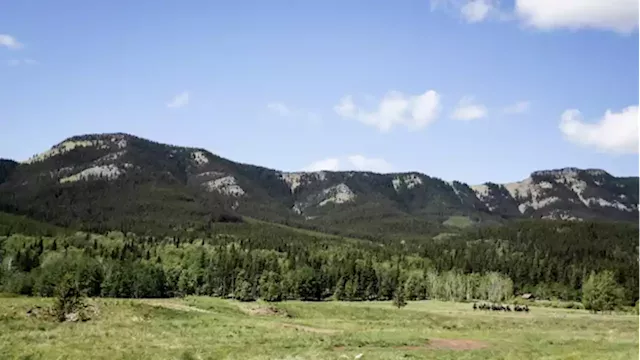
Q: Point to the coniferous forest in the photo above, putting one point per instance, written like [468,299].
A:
[255,260]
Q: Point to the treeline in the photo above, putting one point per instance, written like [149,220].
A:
[249,261]
[549,258]
[117,266]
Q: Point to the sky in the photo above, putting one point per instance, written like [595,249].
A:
[474,91]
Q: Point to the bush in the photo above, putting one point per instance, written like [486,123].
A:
[69,301]
[572,305]
[244,291]
[601,292]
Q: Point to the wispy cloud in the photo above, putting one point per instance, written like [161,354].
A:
[287,111]
[394,109]
[179,101]
[518,108]
[351,162]
[10,42]
[473,11]
[18,62]
[330,164]
[279,108]
[467,109]
[476,11]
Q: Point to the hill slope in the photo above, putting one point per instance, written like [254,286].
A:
[120,180]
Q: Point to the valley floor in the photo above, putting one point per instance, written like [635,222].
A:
[209,328]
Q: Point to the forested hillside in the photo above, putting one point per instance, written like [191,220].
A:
[257,260]
[6,168]
[101,182]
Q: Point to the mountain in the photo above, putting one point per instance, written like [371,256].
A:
[566,194]
[103,181]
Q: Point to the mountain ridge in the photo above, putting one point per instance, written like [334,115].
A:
[408,172]
[409,201]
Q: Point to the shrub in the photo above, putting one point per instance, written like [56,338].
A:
[601,292]
[69,301]
[244,291]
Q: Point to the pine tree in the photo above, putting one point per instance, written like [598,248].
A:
[270,287]
[398,297]
[339,292]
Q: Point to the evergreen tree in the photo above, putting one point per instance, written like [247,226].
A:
[398,297]
[339,293]
[270,287]
[351,289]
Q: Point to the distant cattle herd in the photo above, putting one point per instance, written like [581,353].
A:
[499,307]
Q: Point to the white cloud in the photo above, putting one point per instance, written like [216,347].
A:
[613,133]
[413,111]
[330,164]
[372,164]
[351,162]
[517,108]
[9,42]
[180,100]
[472,11]
[18,62]
[467,109]
[286,111]
[476,11]
[617,15]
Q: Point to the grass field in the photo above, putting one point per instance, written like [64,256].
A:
[458,221]
[209,328]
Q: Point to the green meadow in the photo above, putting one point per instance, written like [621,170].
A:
[211,328]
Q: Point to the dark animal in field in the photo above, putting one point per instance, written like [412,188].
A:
[492,307]
[519,308]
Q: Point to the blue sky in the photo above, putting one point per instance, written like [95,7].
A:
[472,91]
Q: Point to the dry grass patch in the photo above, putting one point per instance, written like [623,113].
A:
[449,344]
[310,329]
[175,306]
[259,309]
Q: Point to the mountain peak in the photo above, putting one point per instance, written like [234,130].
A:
[98,141]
